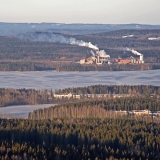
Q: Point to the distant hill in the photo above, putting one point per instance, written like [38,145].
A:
[46,49]
[7,29]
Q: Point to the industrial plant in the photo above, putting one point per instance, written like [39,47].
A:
[100,57]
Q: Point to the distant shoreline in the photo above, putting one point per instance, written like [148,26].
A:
[77,71]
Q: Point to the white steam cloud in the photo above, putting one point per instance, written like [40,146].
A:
[55,38]
[133,51]
[102,53]
[85,44]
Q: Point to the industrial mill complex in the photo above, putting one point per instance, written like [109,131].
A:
[100,57]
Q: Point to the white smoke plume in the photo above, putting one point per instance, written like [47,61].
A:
[85,44]
[133,51]
[102,53]
[55,38]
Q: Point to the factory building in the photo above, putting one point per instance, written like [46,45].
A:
[70,95]
[82,61]
[140,112]
[86,61]
[99,58]
[130,60]
[123,61]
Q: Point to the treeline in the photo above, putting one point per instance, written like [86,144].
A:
[68,66]
[25,96]
[107,67]
[25,66]
[134,32]
[95,109]
[32,96]
[113,89]
[117,139]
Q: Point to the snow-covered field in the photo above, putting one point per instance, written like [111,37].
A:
[154,38]
[128,36]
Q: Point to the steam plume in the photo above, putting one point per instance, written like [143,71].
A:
[133,51]
[102,53]
[55,38]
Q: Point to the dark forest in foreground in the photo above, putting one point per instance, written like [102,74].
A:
[66,139]
[88,130]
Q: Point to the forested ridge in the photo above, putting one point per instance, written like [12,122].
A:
[14,49]
[95,109]
[24,96]
[107,67]
[114,39]
[90,139]
[32,96]
[26,66]
[113,43]
[113,89]
[23,55]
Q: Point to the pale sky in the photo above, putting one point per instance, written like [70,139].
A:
[81,11]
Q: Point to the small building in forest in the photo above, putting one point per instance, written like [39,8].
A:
[69,95]
[141,112]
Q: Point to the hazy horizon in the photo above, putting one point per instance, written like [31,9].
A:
[80,23]
[83,12]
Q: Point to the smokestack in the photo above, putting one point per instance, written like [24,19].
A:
[141,59]
[93,54]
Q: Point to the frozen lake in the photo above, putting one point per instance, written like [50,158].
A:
[58,80]
[20,111]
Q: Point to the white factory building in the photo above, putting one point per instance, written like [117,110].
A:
[99,58]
